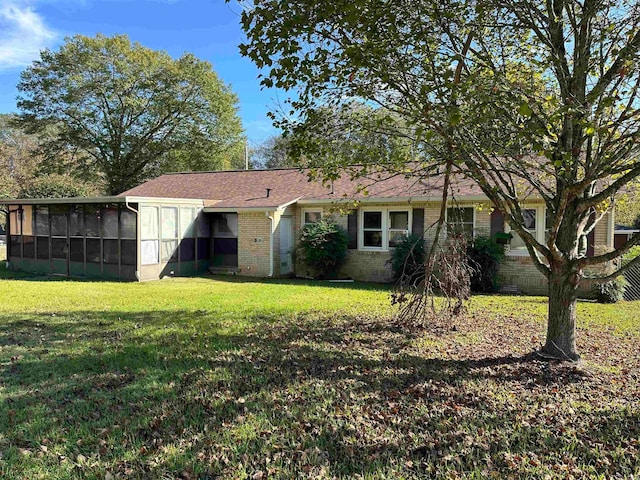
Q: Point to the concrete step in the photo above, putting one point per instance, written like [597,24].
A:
[510,289]
[224,270]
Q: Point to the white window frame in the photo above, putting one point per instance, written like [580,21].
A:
[310,210]
[539,232]
[175,235]
[473,209]
[144,239]
[389,229]
[546,227]
[384,226]
[187,230]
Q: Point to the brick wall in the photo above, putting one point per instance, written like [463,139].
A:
[521,272]
[603,235]
[368,266]
[361,265]
[253,244]
[373,266]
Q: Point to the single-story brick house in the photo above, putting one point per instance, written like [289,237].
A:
[247,222]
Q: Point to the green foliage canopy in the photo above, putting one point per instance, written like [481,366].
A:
[273,153]
[56,186]
[18,159]
[130,111]
[527,98]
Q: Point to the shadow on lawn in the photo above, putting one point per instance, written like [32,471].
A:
[6,274]
[311,395]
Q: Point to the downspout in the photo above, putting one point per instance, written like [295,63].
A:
[271,232]
[138,242]
[7,225]
[611,227]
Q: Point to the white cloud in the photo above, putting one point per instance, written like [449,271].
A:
[23,34]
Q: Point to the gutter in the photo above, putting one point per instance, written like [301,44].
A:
[108,199]
[271,236]
[385,200]
[138,242]
[271,208]
[611,229]
[239,209]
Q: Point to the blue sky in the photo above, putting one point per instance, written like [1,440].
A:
[210,29]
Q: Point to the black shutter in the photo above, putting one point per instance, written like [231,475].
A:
[417,225]
[352,230]
[497,222]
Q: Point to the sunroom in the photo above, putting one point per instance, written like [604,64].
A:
[118,238]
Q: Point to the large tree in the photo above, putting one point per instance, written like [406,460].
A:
[18,160]
[272,153]
[530,99]
[128,111]
[628,207]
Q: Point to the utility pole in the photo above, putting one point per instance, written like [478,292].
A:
[246,154]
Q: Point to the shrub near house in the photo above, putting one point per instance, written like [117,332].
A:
[323,246]
[485,256]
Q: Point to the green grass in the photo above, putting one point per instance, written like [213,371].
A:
[234,378]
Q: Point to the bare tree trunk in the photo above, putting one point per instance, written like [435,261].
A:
[561,326]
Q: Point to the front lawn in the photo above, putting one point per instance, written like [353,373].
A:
[231,378]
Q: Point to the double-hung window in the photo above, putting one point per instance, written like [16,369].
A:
[460,220]
[530,224]
[383,228]
[398,226]
[310,216]
[372,229]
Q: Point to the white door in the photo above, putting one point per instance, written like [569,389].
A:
[286,245]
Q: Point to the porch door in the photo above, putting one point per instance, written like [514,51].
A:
[286,244]
[59,242]
[225,240]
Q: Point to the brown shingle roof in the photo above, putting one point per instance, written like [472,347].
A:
[248,188]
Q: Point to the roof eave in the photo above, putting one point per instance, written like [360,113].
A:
[238,209]
[262,208]
[372,199]
[53,201]
[107,199]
